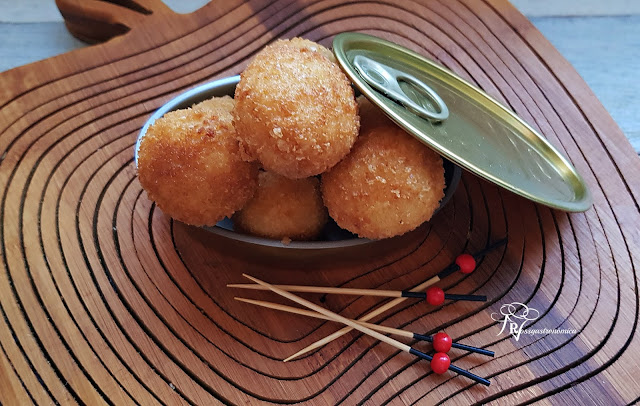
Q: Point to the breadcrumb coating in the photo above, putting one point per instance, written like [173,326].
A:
[313,46]
[388,185]
[189,163]
[295,110]
[284,209]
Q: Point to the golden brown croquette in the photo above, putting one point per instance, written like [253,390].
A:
[388,185]
[295,110]
[189,163]
[284,209]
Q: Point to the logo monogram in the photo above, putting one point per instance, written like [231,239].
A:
[514,316]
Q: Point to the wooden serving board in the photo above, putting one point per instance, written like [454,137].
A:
[104,300]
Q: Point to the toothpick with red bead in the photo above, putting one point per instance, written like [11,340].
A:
[440,363]
[442,342]
[466,263]
[434,295]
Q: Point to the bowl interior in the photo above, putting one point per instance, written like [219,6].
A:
[332,236]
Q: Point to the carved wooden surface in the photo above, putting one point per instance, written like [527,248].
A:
[104,300]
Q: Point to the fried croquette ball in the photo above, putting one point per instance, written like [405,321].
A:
[388,185]
[189,163]
[284,209]
[295,111]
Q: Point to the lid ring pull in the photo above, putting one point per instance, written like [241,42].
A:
[387,80]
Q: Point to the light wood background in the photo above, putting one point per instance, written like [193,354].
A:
[601,39]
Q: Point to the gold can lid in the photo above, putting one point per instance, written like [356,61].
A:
[460,121]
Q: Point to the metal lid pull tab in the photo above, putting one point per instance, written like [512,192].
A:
[388,81]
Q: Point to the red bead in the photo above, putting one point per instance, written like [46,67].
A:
[435,296]
[442,342]
[466,263]
[440,363]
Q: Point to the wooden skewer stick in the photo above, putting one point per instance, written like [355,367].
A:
[323,289]
[377,327]
[363,292]
[379,336]
[391,304]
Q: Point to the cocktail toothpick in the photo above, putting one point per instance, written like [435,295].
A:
[464,263]
[434,295]
[442,342]
[439,362]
